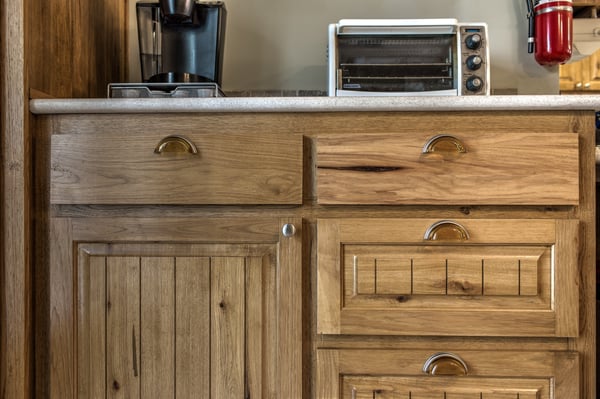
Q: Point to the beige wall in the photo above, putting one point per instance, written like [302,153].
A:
[281,44]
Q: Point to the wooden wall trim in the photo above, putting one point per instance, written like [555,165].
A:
[15,300]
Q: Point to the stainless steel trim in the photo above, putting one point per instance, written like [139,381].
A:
[552,9]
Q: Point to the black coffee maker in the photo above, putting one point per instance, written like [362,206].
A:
[181,41]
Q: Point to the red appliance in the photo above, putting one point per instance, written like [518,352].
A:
[550,30]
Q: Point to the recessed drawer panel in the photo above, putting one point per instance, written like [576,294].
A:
[199,168]
[469,168]
[449,277]
[465,374]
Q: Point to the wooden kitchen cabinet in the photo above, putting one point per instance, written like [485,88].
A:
[151,294]
[394,292]
[581,76]
[175,307]
[395,255]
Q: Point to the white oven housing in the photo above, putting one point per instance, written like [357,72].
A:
[417,57]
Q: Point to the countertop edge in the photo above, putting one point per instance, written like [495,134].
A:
[314,104]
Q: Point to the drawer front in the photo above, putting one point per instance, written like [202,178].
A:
[469,168]
[460,277]
[146,168]
[386,374]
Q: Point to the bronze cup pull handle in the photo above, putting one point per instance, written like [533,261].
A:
[445,363]
[444,144]
[446,230]
[176,143]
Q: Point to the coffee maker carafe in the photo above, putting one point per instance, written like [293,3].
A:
[181,41]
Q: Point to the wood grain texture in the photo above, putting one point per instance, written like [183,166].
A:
[369,373]
[112,168]
[16,370]
[91,327]
[61,308]
[157,327]
[185,318]
[192,334]
[79,50]
[585,213]
[329,301]
[227,328]
[507,169]
[447,279]
[151,223]
[123,328]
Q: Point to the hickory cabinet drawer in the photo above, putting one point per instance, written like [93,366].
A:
[427,374]
[440,169]
[472,277]
[199,168]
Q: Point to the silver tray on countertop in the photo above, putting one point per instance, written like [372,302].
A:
[163,90]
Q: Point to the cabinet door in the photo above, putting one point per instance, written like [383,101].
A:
[167,317]
[405,374]
[581,76]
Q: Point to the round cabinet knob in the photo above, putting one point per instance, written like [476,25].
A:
[288,230]
[474,62]
[473,42]
[474,83]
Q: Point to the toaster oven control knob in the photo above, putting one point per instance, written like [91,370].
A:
[474,83]
[473,41]
[474,62]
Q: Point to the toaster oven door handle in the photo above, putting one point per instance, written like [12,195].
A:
[444,144]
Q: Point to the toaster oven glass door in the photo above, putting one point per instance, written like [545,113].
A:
[397,63]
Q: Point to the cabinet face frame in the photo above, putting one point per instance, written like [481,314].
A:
[67,234]
[559,318]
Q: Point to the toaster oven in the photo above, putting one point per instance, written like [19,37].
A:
[369,57]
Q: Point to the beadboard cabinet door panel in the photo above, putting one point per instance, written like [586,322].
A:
[206,317]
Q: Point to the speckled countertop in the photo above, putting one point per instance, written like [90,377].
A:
[316,104]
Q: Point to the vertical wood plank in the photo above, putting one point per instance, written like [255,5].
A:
[157,327]
[464,276]
[429,276]
[227,327]
[394,276]
[257,325]
[192,336]
[327,374]
[566,278]
[123,327]
[62,356]
[501,276]
[528,276]
[16,371]
[364,275]
[584,124]
[329,301]
[290,311]
[91,367]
